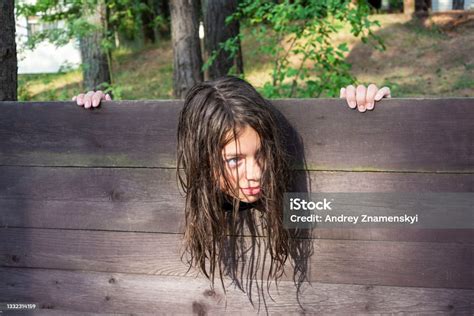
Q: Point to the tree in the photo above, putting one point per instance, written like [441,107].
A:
[93,23]
[96,57]
[8,61]
[217,31]
[298,35]
[417,7]
[155,20]
[187,61]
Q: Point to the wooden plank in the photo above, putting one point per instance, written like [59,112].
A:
[422,135]
[155,185]
[47,309]
[110,292]
[135,199]
[61,133]
[422,264]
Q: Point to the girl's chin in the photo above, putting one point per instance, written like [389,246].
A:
[243,198]
[250,199]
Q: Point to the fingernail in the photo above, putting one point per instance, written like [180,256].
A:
[94,103]
[362,108]
[369,106]
[352,104]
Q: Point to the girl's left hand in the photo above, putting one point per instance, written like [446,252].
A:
[362,97]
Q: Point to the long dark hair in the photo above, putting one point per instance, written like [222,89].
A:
[213,110]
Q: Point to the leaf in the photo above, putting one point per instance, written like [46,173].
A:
[343,47]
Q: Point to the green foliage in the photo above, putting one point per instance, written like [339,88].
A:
[123,16]
[71,12]
[303,30]
[395,88]
[231,46]
[395,5]
[464,82]
[115,90]
[23,90]
[51,86]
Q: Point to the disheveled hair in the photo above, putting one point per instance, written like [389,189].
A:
[212,111]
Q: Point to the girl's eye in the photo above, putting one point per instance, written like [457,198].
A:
[232,162]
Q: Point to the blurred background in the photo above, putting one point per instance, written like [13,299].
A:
[157,49]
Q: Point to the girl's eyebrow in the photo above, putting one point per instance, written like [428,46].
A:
[233,155]
[240,154]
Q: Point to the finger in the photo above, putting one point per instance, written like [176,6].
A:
[370,96]
[80,99]
[98,95]
[351,96]
[88,99]
[383,92]
[108,97]
[361,92]
[74,98]
[342,93]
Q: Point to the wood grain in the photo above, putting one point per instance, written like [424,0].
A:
[91,216]
[74,292]
[148,200]
[400,135]
[423,264]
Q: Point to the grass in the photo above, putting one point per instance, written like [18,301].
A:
[56,86]
[418,61]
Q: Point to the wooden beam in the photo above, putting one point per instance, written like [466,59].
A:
[407,135]
[419,264]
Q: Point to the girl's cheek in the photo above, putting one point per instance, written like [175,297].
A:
[234,173]
[232,182]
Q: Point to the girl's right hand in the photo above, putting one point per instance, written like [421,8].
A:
[91,99]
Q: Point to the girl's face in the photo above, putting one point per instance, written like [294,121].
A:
[243,166]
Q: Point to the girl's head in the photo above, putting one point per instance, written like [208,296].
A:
[226,138]
[242,160]
[229,147]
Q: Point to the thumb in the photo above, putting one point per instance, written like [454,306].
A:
[342,93]
[384,92]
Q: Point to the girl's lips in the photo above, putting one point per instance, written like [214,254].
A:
[252,191]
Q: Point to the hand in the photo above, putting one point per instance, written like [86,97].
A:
[364,98]
[91,98]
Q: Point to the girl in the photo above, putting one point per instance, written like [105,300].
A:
[234,169]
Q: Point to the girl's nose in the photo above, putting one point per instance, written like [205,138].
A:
[253,171]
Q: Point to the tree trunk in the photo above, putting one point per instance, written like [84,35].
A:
[8,61]
[187,60]
[217,31]
[95,59]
